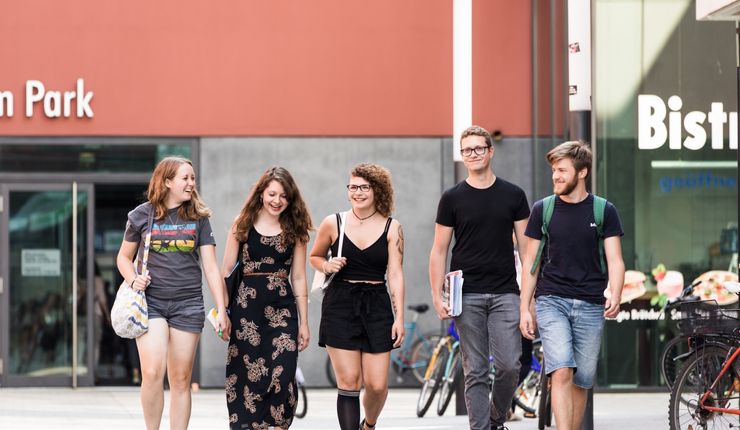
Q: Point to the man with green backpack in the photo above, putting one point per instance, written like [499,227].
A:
[574,251]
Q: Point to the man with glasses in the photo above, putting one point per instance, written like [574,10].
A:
[481,212]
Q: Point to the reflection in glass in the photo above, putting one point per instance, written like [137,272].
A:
[40,287]
[17,158]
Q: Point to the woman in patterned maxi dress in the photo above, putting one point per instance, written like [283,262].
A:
[269,309]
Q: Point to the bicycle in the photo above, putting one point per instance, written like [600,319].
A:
[413,354]
[436,369]
[527,394]
[544,409]
[445,367]
[707,391]
[678,350]
[453,370]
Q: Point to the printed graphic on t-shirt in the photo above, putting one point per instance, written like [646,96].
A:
[173,237]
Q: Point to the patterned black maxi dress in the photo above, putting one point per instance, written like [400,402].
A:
[262,356]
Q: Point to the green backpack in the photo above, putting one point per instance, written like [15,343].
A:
[548,206]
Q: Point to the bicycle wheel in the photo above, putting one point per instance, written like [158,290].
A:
[329,369]
[449,382]
[544,418]
[673,357]
[697,376]
[527,394]
[421,352]
[435,372]
[301,402]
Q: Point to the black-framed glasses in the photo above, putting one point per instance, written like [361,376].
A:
[479,150]
[354,188]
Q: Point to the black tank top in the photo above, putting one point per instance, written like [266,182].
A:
[369,264]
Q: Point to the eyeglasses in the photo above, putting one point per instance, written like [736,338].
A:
[354,188]
[479,150]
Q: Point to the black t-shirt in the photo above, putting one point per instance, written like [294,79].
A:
[482,222]
[570,265]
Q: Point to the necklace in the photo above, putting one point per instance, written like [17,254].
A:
[363,219]
[169,217]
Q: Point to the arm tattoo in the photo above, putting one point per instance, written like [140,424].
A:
[399,242]
[393,303]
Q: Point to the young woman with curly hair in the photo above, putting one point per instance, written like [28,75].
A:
[181,237]
[358,325]
[269,310]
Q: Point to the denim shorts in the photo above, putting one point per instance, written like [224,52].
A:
[183,314]
[570,330]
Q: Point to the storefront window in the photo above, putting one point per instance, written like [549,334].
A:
[92,157]
[666,150]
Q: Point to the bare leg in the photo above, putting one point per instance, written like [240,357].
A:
[580,396]
[562,397]
[375,374]
[348,370]
[180,360]
[153,356]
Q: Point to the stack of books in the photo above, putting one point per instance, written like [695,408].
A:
[452,292]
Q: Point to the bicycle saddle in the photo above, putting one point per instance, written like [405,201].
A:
[418,308]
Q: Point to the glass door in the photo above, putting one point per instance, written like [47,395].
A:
[45,262]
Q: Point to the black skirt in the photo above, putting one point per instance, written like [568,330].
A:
[356,316]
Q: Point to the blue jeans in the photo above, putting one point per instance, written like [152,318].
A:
[570,330]
[489,325]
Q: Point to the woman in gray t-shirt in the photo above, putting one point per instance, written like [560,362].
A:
[181,237]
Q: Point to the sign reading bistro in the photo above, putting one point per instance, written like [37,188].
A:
[56,104]
[652,131]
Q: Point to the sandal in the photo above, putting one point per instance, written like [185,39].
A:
[365,423]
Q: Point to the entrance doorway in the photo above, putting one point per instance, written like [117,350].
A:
[46,245]
[54,324]
[116,359]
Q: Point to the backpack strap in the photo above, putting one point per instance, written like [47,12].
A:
[548,207]
[599,207]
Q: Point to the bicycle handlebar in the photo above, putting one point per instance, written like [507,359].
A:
[685,295]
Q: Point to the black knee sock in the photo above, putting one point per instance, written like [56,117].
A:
[348,409]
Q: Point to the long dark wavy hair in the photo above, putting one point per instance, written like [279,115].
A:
[295,220]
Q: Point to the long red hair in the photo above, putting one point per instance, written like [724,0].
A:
[192,209]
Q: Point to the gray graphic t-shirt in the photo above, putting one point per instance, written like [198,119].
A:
[174,262]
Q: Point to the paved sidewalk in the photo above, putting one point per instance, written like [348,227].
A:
[113,408]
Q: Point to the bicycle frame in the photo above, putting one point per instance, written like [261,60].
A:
[401,357]
[446,342]
[726,366]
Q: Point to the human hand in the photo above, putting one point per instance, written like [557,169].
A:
[527,325]
[141,282]
[443,311]
[397,332]
[304,336]
[224,325]
[611,307]
[334,264]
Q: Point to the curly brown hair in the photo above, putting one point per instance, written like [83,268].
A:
[380,180]
[157,190]
[295,220]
